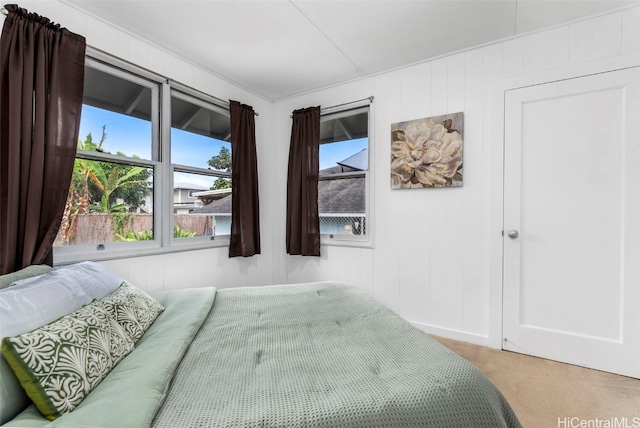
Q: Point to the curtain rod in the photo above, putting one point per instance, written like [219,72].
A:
[345,104]
[227,104]
[350,102]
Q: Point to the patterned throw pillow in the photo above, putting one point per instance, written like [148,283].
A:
[60,363]
[134,309]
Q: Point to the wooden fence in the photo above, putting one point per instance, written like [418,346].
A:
[99,228]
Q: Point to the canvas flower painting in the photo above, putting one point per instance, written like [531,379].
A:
[427,152]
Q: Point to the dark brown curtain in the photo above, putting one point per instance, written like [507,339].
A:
[245,211]
[303,223]
[41,84]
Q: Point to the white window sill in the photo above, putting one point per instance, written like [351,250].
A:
[67,255]
[345,241]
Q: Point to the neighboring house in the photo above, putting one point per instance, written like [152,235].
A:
[220,211]
[184,200]
[147,208]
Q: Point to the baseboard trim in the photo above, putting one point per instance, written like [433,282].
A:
[448,333]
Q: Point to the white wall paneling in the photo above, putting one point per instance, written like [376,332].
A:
[631,31]
[583,41]
[534,53]
[512,60]
[558,47]
[609,35]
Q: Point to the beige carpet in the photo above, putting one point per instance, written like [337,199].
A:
[546,393]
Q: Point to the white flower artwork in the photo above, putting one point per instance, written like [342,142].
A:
[427,152]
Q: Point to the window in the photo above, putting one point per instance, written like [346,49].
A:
[201,164]
[343,180]
[152,170]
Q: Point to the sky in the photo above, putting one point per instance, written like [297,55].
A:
[132,136]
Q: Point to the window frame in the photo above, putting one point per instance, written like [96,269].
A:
[185,94]
[348,240]
[160,162]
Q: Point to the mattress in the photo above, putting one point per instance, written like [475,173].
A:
[322,355]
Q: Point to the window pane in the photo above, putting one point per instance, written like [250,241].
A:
[117,114]
[344,149]
[344,156]
[344,126]
[107,202]
[199,136]
[201,205]
[342,225]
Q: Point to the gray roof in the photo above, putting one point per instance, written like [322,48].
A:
[221,206]
[345,195]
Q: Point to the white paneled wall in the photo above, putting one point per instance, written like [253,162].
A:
[437,253]
[437,257]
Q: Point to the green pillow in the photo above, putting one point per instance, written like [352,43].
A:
[60,363]
[134,309]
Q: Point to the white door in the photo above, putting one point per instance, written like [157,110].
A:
[572,221]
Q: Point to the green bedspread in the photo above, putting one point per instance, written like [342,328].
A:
[306,355]
[322,355]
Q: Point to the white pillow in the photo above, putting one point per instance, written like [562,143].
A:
[95,279]
[27,305]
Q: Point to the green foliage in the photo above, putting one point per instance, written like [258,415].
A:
[148,235]
[121,221]
[221,161]
[127,183]
[181,233]
[102,184]
[106,187]
[121,177]
[130,236]
[221,183]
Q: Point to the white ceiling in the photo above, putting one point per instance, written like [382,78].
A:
[279,48]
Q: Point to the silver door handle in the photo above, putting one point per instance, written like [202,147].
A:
[513,234]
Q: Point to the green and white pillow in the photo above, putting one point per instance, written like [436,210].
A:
[134,309]
[60,363]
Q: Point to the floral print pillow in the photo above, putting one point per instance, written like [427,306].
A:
[60,363]
[134,309]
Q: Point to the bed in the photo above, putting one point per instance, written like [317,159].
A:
[301,355]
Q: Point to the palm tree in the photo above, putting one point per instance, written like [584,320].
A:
[116,181]
[79,196]
[94,187]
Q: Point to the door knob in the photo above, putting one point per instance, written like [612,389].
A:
[513,234]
